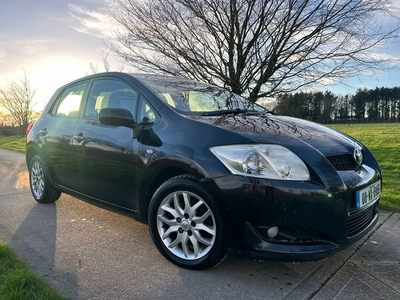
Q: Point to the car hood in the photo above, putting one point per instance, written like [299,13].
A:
[287,131]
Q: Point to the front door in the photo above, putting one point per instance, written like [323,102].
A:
[106,156]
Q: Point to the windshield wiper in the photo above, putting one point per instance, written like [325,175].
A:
[245,112]
[226,112]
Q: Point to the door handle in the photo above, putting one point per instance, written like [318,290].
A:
[43,132]
[79,137]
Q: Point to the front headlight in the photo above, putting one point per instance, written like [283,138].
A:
[265,161]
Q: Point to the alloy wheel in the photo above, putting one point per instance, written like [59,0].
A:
[37,180]
[186,225]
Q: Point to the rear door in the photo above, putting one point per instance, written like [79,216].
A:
[106,156]
[57,131]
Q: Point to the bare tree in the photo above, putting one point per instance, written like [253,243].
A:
[255,47]
[17,99]
[106,65]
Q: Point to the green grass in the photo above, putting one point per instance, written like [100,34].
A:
[18,282]
[384,142]
[16,143]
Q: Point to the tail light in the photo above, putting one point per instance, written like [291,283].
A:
[29,128]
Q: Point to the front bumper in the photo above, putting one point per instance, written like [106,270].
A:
[293,221]
[310,248]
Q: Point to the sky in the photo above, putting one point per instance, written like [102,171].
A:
[55,42]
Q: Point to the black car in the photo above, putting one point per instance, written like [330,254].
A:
[205,168]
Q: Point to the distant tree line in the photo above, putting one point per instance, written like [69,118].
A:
[373,105]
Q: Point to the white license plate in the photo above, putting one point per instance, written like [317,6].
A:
[368,194]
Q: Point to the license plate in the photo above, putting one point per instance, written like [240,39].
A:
[368,194]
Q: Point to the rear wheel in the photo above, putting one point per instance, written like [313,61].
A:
[185,224]
[42,189]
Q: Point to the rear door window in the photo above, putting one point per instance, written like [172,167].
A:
[70,101]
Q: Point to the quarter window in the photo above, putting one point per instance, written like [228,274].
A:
[147,114]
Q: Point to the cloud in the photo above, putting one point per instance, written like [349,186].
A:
[20,51]
[97,22]
[32,46]
[392,60]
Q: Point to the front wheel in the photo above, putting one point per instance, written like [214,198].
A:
[185,224]
[42,189]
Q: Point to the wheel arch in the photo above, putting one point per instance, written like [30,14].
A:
[33,151]
[155,182]
[29,154]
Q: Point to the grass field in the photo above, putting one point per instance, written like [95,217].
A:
[16,143]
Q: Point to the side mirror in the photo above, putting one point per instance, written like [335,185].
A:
[116,117]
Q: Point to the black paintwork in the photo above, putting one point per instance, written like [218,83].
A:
[124,165]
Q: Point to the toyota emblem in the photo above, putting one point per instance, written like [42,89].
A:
[358,157]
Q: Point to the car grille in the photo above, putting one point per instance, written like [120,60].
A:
[359,220]
[343,162]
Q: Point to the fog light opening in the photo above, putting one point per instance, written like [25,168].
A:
[273,232]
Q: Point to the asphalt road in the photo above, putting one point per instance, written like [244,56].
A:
[88,252]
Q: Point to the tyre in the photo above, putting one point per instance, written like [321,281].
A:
[185,224]
[42,189]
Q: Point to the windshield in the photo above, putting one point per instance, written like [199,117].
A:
[194,97]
